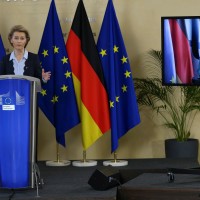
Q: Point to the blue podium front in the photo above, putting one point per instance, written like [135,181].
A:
[16,159]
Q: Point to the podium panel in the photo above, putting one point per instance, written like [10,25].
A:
[17,145]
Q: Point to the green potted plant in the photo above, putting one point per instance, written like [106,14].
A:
[176,105]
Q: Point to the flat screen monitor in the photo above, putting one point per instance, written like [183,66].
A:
[180,50]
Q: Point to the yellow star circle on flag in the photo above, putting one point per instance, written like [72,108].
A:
[45,53]
[115,49]
[64,60]
[124,59]
[68,74]
[103,52]
[56,49]
[127,74]
[111,104]
[124,88]
[64,88]
[43,92]
[55,99]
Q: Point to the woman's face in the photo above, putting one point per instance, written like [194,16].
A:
[18,40]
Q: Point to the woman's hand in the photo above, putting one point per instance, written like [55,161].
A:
[46,75]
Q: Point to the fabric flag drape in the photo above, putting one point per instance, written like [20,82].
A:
[195,43]
[2,49]
[57,99]
[169,62]
[119,82]
[88,78]
[182,52]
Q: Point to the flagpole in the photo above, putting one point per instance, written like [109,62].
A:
[58,153]
[115,162]
[84,162]
[58,162]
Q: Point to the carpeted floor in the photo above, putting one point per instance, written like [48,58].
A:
[71,183]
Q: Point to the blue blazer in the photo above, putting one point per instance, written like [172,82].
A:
[32,66]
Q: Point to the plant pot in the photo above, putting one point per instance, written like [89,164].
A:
[185,149]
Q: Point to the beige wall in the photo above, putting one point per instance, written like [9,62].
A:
[140,22]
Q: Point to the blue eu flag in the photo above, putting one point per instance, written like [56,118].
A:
[57,99]
[119,82]
[2,50]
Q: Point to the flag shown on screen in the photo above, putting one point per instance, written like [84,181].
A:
[117,72]
[2,49]
[88,78]
[170,71]
[181,50]
[57,99]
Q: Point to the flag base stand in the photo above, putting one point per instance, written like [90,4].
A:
[115,162]
[87,163]
[84,162]
[58,162]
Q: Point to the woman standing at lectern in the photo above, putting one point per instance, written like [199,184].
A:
[20,61]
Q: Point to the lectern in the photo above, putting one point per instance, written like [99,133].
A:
[18,107]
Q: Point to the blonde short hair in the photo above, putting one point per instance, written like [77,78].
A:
[19,28]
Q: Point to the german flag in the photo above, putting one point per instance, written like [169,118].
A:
[88,78]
